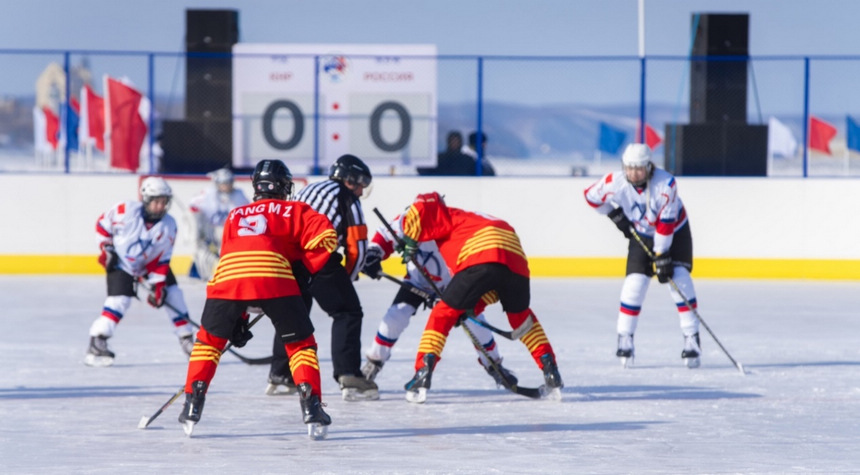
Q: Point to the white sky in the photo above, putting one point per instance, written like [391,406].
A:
[473,27]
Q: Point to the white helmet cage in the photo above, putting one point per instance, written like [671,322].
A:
[154,187]
[222,176]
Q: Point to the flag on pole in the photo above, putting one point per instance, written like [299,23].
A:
[52,127]
[780,140]
[40,135]
[652,138]
[71,121]
[611,138]
[820,135]
[853,134]
[125,125]
[92,122]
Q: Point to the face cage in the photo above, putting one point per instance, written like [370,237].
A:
[356,179]
[649,171]
[148,200]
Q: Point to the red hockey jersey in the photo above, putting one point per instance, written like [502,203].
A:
[261,240]
[464,238]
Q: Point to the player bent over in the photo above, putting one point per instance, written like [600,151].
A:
[646,198]
[407,301]
[262,243]
[484,255]
[136,241]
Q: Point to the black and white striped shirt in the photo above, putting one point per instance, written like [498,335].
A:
[343,209]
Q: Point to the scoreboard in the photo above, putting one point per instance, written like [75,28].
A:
[308,104]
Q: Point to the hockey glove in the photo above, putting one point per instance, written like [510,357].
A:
[108,258]
[621,222]
[156,298]
[664,267]
[407,248]
[241,333]
[373,262]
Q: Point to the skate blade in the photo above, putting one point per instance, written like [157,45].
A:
[626,362]
[144,422]
[188,427]
[98,361]
[280,390]
[352,394]
[692,362]
[550,394]
[317,431]
[417,397]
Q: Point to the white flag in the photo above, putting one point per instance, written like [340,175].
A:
[780,140]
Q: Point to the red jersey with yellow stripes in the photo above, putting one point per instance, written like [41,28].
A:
[261,240]
[464,238]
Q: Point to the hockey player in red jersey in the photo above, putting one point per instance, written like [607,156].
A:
[646,198]
[264,246]
[484,255]
[136,240]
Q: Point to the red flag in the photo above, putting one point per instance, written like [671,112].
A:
[93,117]
[652,138]
[126,128]
[820,135]
[52,127]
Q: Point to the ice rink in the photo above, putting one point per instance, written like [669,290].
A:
[796,411]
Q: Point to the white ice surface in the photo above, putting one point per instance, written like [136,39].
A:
[797,411]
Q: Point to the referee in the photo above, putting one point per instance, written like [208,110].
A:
[338,199]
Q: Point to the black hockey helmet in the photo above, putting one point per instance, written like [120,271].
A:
[350,169]
[272,179]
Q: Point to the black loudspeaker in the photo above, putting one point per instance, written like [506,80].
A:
[209,39]
[718,149]
[196,146]
[718,87]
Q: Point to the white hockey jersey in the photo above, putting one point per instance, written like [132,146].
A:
[655,211]
[142,250]
[211,209]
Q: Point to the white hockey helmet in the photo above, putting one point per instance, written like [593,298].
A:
[154,186]
[222,176]
[636,155]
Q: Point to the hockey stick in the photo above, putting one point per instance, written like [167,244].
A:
[677,289]
[535,393]
[513,335]
[242,358]
[146,421]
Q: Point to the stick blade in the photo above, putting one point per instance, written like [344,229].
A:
[144,422]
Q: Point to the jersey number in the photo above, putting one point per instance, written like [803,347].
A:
[253,225]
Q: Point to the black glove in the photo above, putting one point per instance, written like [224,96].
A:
[665,269]
[108,258]
[241,334]
[373,262]
[621,222]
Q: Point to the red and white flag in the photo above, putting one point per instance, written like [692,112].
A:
[46,129]
[820,135]
[92,126]
[126,115]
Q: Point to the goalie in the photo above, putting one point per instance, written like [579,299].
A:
[210,209]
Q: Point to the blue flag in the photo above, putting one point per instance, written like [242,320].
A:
[853,132]
[611,139]
[72,119]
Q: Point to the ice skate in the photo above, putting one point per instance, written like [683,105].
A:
[193,408]
[416,388]
[357,388]
[313,414]
[692,351]
[552,378]
[504,380]
[281,385]
[98,353]
[625,350]
[187,343]
[371,369]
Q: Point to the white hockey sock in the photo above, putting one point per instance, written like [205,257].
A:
[632,295]
[688,321]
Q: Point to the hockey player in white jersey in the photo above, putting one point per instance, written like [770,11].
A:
[646,198]
[210,209]
[136,241]
[406,304]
